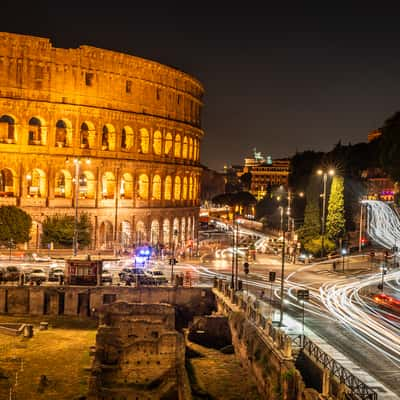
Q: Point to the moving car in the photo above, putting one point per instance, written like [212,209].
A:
[155,277]
[134,275]
[38,276]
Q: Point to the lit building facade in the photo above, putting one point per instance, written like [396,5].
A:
[135,120]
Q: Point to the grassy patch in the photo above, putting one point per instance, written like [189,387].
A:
[61,353]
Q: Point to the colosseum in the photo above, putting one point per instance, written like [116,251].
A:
[101,132]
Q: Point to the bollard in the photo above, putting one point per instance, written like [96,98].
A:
[28,331]
[44,326]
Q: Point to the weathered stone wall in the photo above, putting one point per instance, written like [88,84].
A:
[87,301]
[139,354]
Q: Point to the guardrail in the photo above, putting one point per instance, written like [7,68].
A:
[359,390]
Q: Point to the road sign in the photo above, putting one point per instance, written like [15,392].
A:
[246,267]
[303,294]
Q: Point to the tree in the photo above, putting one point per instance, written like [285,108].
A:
[390,146]
[15,224]
[312,222]
[60,230]
[335,220]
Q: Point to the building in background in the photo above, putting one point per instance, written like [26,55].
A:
[136,121]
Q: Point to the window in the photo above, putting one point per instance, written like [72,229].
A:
[89,78]
[158,94]
[128,86]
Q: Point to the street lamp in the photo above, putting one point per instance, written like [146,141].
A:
[77,162]
[325,174]
[344,252]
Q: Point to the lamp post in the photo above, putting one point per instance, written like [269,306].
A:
[325,174]
[282,273]
[77,162]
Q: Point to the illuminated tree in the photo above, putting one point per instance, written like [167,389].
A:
[335,221]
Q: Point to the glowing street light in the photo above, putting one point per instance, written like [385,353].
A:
[324,174]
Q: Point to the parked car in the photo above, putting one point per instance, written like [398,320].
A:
[38,276]
[155,276]
[10,273]
[56,274]
[106,276]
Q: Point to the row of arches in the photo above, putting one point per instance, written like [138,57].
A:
[171,232]
[125,186]
[143,142]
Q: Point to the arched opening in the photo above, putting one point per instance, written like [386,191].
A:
[126,138]
[183,230]
[63,184]
[168,144]
[35,132]
[175,233]
[143,190]
[87,134]
[36,183]
[63,133]
[191,188]
[144,141]
[108,138]
[126,186]
[87,186]
[195,189]
[156,190]
[185,147]
[7,183]
[140,233]
[157,143]
[108,185]
[195,146]
[177,188]
[189,228]
[106,235]
[7,129]
[166,232]
[184,188]
[168,188]
[154,232]
[190,149]
[125,234]
[177,146]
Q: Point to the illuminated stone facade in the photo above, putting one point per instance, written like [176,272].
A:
[136,121]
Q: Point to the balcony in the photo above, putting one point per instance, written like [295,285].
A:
[33,202]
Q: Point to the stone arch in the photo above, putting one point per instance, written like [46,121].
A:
[87,135]
[108,185]
[140,233]
[143,187]
[157,143]
[63,136]
[127,138]
[106,235]
[166,231]
[168,144]
[63,184]
[154,232]
[36,183]
[185,147]
[125,234]
[190,187]
[156,187]
[87,185]
[7,129]
[177,188]
[144,141]
[183,230]
[37,132]
[126,186]
[184,188]
[108,138]
[168,188]
[7,183]
[177,145]
[190,149]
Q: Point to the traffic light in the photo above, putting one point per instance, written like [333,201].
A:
[172,261]
[246,267]
[272,276]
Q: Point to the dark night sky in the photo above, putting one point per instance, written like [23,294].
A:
[278,78]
